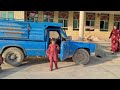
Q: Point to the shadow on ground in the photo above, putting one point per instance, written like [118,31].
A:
[33,61]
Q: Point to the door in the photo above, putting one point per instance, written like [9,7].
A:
[64,50]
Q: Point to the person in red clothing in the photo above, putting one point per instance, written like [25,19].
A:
[114,35]
[118,34]
[52,54]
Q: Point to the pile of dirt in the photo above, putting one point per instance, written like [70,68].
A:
[91,38]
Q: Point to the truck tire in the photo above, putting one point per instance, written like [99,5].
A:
[81,56]
[13,56]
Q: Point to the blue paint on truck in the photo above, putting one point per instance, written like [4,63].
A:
[33,38]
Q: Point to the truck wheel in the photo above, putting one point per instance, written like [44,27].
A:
[81,56]
[13,56]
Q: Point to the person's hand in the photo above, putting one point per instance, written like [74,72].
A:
[57,48]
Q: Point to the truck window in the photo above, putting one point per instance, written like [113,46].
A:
[63,37]
[54,34]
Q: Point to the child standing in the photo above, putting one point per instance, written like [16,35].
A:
[52,54]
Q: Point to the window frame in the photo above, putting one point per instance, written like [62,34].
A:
[34,18]
[53,31]
[49,17]
[75,17]
[77,28]
[90,27]
[103,29]
[90,19]
[63,19]
[116,21]
[91,23]
[9,13]
[6,15]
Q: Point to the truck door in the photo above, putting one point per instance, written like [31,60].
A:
[65,47]
[64,50]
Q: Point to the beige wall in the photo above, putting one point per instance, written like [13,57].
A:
[19,15]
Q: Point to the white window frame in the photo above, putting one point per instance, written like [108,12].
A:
[77,23]
[47,16]
[104,23]
[91,22]
[103,29]
[63,19]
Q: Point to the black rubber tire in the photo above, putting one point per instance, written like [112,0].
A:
[84,54]
[16,51]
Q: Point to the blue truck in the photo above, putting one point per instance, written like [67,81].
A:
[21,39]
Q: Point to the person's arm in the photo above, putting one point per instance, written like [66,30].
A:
[48,51]
[58,48]
[110,34]
[119,34]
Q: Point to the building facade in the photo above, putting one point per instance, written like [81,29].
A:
[95,23]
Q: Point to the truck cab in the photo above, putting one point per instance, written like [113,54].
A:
[77,50]
[20,39]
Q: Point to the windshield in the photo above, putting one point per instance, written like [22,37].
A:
[63,33]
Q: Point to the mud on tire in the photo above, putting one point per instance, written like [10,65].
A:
[81,56]
[13,56]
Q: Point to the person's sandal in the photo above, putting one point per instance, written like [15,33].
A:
[51,70]
[113,53]
[56,68]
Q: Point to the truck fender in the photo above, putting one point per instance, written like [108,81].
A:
[87,49]
[8,46]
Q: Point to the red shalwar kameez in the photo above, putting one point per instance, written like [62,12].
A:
[114,40]
[52,54]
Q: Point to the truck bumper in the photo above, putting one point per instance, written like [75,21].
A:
[92,54]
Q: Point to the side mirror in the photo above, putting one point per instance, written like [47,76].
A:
[69,38]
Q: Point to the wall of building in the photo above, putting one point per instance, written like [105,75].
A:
[75,34]
[97,32]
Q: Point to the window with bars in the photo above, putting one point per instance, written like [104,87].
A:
[32,16]
[104,22]
[7,15]
[117,21]
[11,14]
[76,21]
[90,19]
[63,18]
[4,14]
[48,16]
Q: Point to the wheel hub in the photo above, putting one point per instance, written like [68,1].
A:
[12,56]
[79,57]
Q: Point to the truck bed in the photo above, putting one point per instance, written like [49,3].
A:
[13,30]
